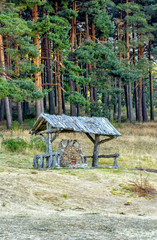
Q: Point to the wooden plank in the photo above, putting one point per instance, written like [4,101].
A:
[106,156]
[90,137]
[90,125]
[106,140]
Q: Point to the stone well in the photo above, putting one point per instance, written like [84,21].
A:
[71,154]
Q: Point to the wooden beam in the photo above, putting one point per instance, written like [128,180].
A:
[106,156]
[50,130]
[54,137]
[38,125]
[105,140]
[109,156]
[90,137]
[44,138]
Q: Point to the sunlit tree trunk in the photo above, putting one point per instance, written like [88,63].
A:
[126,100]
[128,60]
[135,82]
[58,77]
[38,81]
[151,87]
[55,75]
[59,85]
[49,75]
[73,109]
[19,106]
[141,55]
[120,58]
[144,105]
[6,99]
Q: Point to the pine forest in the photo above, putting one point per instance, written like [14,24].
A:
[80,58]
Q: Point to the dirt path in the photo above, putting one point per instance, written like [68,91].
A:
[73,205]
[76,226]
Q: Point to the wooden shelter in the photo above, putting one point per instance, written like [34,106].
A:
[49,126]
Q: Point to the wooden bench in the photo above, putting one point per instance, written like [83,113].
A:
[114,156]
[52,160]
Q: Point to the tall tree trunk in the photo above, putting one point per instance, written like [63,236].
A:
[110,107]
[19,112]
[55,74]
[141,54]
[26,108]
[62,88]
[115,97]
[19,106]
[120,58]
[49,75]
[151,87]
[135,82]
[93,89]
[74,46]
[63,99]
[119,102]
[73,109]
[136,99]
[6,100]
[104,101]
[8,58]
[144,105]
[126,100]
[110,103]
[59,85]
[2,105]
[38,82]
[78,90]
[43,74]
[73,34]
[131,118]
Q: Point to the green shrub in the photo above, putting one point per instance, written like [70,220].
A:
[16,126]
[29,122]
[15,144]
[37,143]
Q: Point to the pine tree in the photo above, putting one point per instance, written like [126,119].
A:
[20,51]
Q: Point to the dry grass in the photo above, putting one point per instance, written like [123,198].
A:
[142,186]
[55,202]
[137,146]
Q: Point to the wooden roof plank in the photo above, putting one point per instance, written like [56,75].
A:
[91,125]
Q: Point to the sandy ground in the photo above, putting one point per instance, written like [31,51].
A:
[73,204]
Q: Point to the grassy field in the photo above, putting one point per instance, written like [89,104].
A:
[81,203]
[137,146]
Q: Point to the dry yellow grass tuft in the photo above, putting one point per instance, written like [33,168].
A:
[142,186]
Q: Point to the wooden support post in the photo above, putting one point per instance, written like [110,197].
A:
[115,156]
[41,165]
[35,161]
[115,165]
[51,162]
[96,151]
[97,143]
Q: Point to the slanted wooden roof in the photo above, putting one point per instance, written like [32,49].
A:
[92,125]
